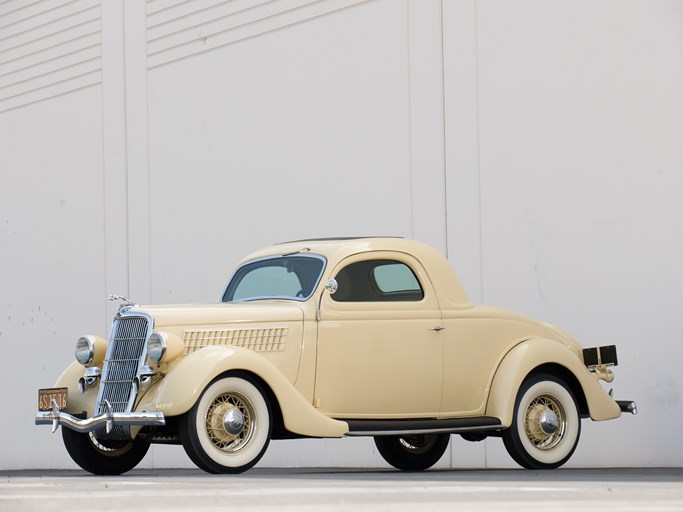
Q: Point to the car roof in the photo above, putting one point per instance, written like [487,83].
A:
[334,250]
[335,239]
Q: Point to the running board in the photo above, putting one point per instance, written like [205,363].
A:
[421,426]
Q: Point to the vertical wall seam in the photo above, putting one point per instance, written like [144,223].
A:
[149,172]
[137,161]
[410,123]
[479,198]
[105,202]
[443,127]
[445,169]
[114,150]
[478,169]
[125,147]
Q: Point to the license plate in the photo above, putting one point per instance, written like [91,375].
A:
[46,396]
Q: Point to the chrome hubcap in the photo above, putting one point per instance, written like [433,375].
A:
[233,421]
[549,422]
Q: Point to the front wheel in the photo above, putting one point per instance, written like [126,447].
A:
[103,457]
[229,428]
[412,452]
[545,426]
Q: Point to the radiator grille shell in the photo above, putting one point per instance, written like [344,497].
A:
[126,353]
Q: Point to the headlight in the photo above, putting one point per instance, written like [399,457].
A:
[156,346]
[85,350]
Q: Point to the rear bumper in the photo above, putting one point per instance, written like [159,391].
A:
[627,406]
[107,419]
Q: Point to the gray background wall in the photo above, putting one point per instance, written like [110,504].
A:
[146,147]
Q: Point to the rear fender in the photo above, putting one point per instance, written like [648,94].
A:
[521,361]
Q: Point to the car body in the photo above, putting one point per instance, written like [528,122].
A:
[329,338]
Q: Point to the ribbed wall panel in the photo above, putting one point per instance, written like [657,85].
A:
[179,30]
[47,49]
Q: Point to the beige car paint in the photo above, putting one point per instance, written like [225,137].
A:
[360,360]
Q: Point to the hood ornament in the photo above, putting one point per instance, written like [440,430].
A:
[126,303]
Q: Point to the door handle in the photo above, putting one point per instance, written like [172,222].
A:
[437,328]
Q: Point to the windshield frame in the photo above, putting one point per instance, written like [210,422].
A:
[276,297]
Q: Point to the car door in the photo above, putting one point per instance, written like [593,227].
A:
[378,353]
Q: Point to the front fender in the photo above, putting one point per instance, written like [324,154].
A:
[521,360]
[184,383]
[77,402]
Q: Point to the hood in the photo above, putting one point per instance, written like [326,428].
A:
[222,313]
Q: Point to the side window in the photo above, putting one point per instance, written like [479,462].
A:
[395,278]
[377,281]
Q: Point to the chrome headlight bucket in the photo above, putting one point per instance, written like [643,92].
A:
[157,346]
[85,350]
[90,350]
[163,347]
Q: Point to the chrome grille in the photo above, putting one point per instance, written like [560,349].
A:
[124,356]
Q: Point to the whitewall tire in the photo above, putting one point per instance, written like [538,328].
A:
[228,430]
[546,424]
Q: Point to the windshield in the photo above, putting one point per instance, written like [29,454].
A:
[281,277]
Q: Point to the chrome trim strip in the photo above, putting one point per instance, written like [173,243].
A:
[453,430]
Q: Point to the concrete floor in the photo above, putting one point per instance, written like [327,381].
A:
[322,490]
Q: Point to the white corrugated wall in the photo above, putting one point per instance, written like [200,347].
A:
[146,147]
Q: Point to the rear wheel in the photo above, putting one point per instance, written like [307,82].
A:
[229,428]
[545,426]
[101,457]
[412,452]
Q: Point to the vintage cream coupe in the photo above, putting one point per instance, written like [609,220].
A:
[329,338]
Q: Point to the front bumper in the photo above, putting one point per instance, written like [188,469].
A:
[107,419]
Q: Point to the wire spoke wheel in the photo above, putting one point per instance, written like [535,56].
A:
[110,448]
[229,428]
[215,417]
[546,424]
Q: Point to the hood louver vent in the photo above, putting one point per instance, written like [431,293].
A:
[258,340]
